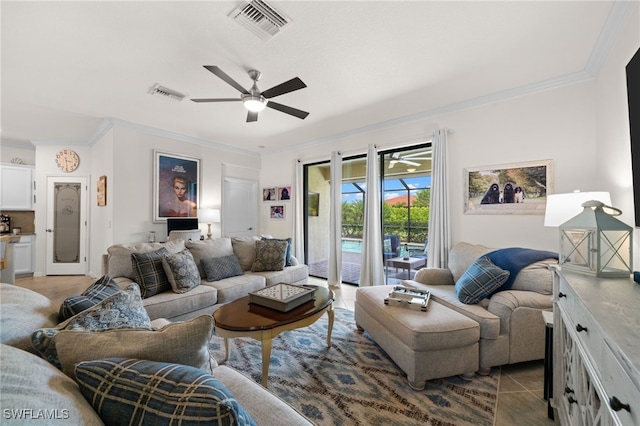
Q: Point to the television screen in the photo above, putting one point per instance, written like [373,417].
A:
[181,224]
[633,97]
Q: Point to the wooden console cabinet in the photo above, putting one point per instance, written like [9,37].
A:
[596,359]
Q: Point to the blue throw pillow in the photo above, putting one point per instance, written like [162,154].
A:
[150,272]
[93,295]
[218,268]
[129,391]
[480,280]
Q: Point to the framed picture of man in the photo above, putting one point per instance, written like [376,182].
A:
[176,186]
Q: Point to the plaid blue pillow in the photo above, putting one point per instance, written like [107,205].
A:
[129,391]
[480,280]
[93,295]
[150,272]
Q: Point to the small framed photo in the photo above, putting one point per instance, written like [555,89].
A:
[276,212]
[270,194]
[284,193]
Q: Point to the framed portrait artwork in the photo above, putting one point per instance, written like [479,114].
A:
[284,193]
[176,181]
[270,194]
[276,212]
[516,188]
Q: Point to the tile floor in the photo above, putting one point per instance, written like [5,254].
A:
[520,393]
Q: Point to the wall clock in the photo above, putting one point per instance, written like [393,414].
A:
[67,160]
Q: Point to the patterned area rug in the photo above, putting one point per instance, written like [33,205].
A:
[355,383]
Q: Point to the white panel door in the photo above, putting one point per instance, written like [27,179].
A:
[66,225]
[239,207]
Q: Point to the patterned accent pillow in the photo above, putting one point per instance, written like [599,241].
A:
[96,293]
[181,270]
[269,255]
[480,280]
[131,391]
[150,272]
[122,310]
[287,256]
[218,268]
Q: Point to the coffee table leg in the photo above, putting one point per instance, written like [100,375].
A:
[330,328]
[227,349]
[266,358]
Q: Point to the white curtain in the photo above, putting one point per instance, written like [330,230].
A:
[334,272]
[371,267]
[298,214]
[439,230]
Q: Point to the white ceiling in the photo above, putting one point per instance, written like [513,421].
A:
[67,66]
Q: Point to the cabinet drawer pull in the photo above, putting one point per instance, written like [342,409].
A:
[617,405]
[580,328]
[561,294]
[572,401]
[567,389]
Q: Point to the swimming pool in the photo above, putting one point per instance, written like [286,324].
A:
[354,246]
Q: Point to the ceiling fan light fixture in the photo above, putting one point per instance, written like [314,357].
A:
[254,103]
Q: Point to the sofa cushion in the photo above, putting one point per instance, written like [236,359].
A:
[22,311]
[462,255]
[480,280]
[434,276]
[96,293]
[180,342]
[218,268]
[120,256]
[130,391]
[536,277]
[123,309]
[150,272]
[31,386]
[245,249]
[181,271]
[270,255]
[232,288]
[172,305]
[290,274]
[206,249]
[287,256]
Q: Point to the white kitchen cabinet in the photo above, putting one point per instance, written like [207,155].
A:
[16,186]
[596,360]
[23,255]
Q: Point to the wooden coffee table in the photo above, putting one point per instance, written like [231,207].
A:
[243,319]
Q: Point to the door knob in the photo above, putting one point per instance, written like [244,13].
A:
[49,230]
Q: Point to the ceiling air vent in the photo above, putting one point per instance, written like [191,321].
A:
[262,19]
[168,93]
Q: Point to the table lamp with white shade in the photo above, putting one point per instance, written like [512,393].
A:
[209,216]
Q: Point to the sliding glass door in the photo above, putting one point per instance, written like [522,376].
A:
[406,182]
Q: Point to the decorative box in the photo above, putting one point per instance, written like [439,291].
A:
[282,297]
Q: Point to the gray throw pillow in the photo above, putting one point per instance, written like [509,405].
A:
[181,270]
[287,256]
[218,268]
[270,255]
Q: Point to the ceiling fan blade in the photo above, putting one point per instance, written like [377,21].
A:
[392,163]
[286,87]
[416,153]
[288,110]
[252,116]
[411,163]
[218,72]
[217,100]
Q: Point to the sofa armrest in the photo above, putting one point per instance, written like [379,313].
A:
[434,276]
[505,303]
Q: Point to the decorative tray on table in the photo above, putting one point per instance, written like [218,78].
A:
[282,297]
[408,297]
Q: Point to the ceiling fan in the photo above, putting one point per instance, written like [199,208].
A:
[408,159]
[253,99]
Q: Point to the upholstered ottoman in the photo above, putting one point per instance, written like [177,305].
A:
[426,345]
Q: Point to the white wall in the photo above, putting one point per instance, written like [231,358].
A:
[613,146]
[26,152]
[555,124]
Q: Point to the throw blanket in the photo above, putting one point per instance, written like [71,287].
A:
[513,259]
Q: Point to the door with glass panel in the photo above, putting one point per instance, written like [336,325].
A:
[66,226]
